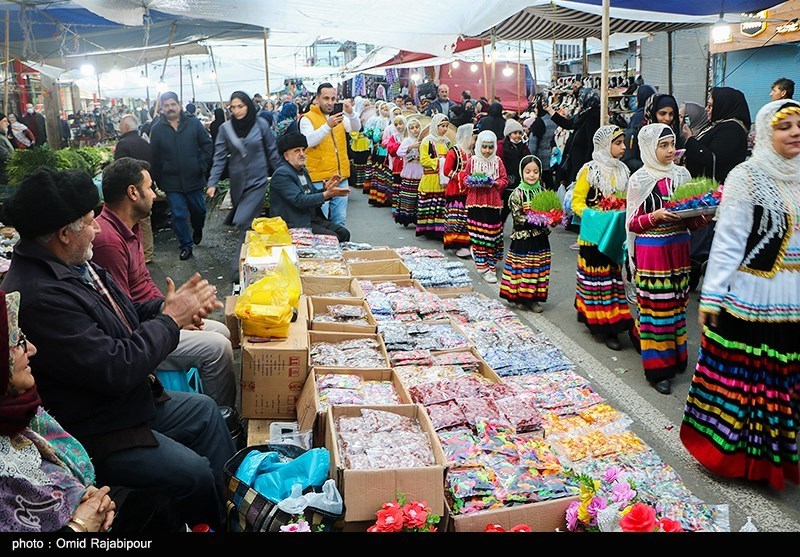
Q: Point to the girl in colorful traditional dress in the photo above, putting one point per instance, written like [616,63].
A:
[526,273]
[430,205]
[392,144]
[658,249]
[600,294]
[741,416]
[379,175]
[456,235]
[406,211]
[484,203]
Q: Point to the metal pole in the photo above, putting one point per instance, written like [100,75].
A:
[483,65]
[533,63]
[604,66]
[494,63]
[555,62]
[585,61]
[147,90]
[266,60]
[519,65]
[669,62]
[191,79]
[8,70]
[180,73]
[216,75]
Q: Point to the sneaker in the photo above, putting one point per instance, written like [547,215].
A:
[463,253]
[574,246]
[490,276]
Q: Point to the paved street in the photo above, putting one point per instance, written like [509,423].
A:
[617,376]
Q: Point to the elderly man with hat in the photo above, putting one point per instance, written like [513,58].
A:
[292,195]
[97,351]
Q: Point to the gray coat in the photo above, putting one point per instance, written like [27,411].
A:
[252,160]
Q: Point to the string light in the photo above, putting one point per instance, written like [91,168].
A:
[508,71]
[473,68]
[455,65]
[87,69]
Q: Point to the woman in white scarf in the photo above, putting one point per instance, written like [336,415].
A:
[600,294]
[658,250]
[406,211]
[379,174]
[741,418]
[456,235]
[484,206]
[431,203]
[21,136]
[392,138]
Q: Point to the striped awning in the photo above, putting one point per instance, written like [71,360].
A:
[557,23]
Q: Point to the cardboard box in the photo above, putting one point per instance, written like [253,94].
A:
[388,269]
[318,305]
[309,415]
[544,516]
[364,491]
[254,268]
[345,271]
[231,321]
[273,372]
[450,292]
[370,255]
[258,430]
[326,336]
[399,282]
[322,286]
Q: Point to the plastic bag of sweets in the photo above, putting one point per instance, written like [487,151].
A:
[446,415]
[461,448]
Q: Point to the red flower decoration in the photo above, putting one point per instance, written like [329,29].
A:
[494,528]
[415,514]
[669,525]
[521,528]
[390,519]
[641,518]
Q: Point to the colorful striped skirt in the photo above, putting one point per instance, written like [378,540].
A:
[392,192]
[526,273]
[406,211]
[456,235]
[380,186]
[741,416]
[359,165]
[662,290]
[600,294]
[486,236]
[430,215]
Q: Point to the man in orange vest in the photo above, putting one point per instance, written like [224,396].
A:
[326,133]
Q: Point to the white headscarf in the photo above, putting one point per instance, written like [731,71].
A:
[641,184]
[408,125]
[486,165]
[399,137]
[464,136]
[766,179]
[358,105]
[605,172]
[433,130]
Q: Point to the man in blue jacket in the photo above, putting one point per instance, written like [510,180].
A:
[181,161]
[292,195]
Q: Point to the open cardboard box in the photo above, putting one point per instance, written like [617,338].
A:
[309,415]
[449,292]
[370,255]
[345,272]
[364,491]
[323,286]
[387,269]
[543,516]
[231,321]
[399,282]
[274,370]
[326,336]
[318,305]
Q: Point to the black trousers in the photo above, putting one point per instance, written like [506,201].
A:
[321,225]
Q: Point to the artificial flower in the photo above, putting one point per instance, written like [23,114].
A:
[641,518]
[494,528]
[622,492]
[415,514]
[299,526]
[521,528]
[595,505]
[669,525]
[389,519]
[572,516]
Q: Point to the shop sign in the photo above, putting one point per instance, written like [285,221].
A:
[754,28]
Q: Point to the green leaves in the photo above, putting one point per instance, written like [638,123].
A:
[694,188]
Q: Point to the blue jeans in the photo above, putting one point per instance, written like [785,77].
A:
[186,207]
[193,446]
[336,208]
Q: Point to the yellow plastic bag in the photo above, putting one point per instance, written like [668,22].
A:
[291,273]
[271,231]
[264,307]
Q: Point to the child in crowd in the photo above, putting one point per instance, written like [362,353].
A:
[526,273]
[456,235]
[392,143]
[379,175]
[511,151]
[485,177]
[406,207]
[600,295]
[430,204]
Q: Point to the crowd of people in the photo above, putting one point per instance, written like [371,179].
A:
[87,327]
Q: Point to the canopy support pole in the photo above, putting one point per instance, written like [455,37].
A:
[519,65]
[191,79]
[585,61]
[604,66]
[494,64]
[147,92]
[266,61]
[180,73]
[533,63]
[483,65]
[669,62]
[216,76]
[169,47]
[8,71]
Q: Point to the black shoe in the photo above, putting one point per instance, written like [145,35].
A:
[197,237]
[186,253]
[613,342]
[664,386]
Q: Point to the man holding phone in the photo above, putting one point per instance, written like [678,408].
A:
[326,131]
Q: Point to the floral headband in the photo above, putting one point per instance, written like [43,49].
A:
[784,112]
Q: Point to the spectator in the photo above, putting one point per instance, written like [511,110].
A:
[132,145]
[49,479]
[35,122]
[327,146]
[493,121]
[19,134]
[579,147]
[191,110]
[442,104]
[783,88]
[659,109]
[287,120]
[97,352]
[541,140]
[294,197]
[694,116]
[181,159]
[128,196]
[6,149]
[511,150]
[66,132]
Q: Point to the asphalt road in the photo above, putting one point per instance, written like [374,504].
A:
[617,376]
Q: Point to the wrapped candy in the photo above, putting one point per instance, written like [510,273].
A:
[446,415]
[460,447]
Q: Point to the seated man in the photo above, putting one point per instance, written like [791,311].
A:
[129,195]
[97,351]
[292,195]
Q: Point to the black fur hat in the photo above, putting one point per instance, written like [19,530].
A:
[48,199]
[290,141]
